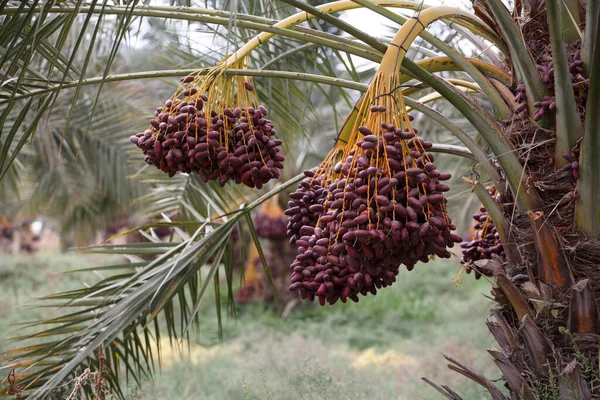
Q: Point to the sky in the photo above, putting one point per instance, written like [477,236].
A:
[373,23]
[363,19]
[370,22]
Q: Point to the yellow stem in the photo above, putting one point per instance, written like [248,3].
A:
[437,64]
[411,29]
[460,17]
[436,96]
[431,65]
[456,82]
[347,129]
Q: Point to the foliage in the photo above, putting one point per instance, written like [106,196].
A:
[308,346]
[49,51]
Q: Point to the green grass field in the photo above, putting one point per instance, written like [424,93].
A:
[376,349]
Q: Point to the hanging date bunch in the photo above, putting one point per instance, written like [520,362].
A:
[373,204]
[270,221]
[485,240]
[306,205]
[213,125]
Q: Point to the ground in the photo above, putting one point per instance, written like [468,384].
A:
[376,349]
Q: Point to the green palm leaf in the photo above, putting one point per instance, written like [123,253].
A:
[82,121]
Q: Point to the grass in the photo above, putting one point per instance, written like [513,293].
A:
[376,349]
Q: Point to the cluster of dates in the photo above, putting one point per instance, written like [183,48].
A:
[235,143]
[546,70]
[382,207]
[305,206]
[573,158]
[548,104]
[7,232]
[270,227]
[484,243]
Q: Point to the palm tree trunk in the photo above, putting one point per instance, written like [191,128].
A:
[545,319]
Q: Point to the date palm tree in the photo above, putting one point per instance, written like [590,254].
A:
[526,94]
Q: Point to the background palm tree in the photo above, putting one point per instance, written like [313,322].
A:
[67,53]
